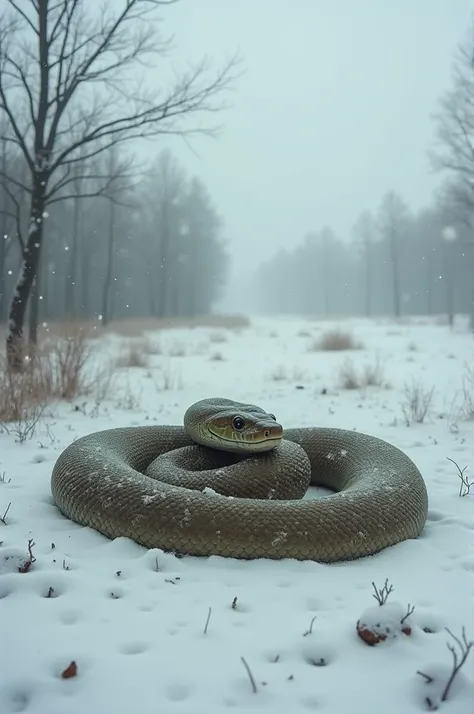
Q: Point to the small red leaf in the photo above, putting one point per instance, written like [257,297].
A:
[70,671]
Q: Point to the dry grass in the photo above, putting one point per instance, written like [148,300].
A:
[139,326]
[217,357]
[348,375]
[335,340]
[468,393]
[371,375]
[218,337]
[178,349]
[417,403]
[282,373]
[60,368]
[135,353]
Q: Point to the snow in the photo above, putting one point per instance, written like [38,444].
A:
[151,632]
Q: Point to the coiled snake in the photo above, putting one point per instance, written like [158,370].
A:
[231,482]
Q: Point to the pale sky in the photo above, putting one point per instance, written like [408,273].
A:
[333,109]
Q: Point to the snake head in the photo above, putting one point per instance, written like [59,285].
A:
[234,426]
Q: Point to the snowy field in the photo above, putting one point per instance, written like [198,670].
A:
[155,634]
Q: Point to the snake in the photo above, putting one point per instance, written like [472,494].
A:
[232,482]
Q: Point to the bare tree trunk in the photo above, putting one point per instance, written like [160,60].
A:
[86,267]
[429,282]
[163,267]
[3,233]
[449,271]
[106,311]
[31,257]
[368,278]
[395,274]
[35,307]
[71,273]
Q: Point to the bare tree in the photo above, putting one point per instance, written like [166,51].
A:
[454,149]
[393,219]
[453,152]
[67,82]
[165,197]
[116,198]
[364,230]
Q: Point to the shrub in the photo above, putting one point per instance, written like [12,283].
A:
[335,340]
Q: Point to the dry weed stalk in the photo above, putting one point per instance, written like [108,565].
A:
[134,354]
[417,404]
[371,375]
[335,340]
[60,368]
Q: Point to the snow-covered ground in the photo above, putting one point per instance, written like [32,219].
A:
[155,634]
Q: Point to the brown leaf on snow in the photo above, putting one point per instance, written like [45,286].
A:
[70,671]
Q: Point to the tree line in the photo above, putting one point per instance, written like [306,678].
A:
[396,263]
[149,248]
[70,97]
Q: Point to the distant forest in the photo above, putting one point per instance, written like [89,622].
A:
[396,263]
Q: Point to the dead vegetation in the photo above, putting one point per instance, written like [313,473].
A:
[335,340]
[468,393]
[59,368]
[417,402]
[217,357]
[178,349]
[370,375]
[465,486]
[139,326]
[218,337]
[282,373]
[349,376]
[134,354]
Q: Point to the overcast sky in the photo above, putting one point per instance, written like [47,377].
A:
[333,110]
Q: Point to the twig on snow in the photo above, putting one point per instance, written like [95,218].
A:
[410,611]
[459,659]
[465,647]
[30,559]
[207,620]
[3,518]
[251,677]
[310,631]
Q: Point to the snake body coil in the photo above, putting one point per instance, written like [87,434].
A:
[130,482]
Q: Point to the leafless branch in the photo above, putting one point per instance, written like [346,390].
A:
[409,612]
[17,213]
[458,659]
[465,487]
[23,14]
[381,594]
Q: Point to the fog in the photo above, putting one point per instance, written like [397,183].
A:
[323,191]
[335,109]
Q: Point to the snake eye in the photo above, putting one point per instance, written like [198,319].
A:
[238,423]
[272,416]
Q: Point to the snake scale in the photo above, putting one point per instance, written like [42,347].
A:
[231,482]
